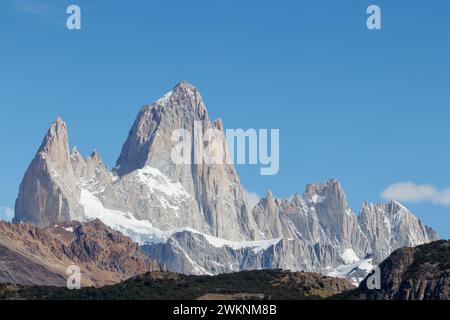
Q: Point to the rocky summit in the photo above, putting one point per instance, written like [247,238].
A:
[194,218]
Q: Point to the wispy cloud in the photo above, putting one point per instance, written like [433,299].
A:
[252,198]
[417,193]
[34,7]
[6,214]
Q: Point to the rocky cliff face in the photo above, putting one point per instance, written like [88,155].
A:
[391,226]
[30,255]
[420,273]
[193,253]
[216,189]
[271,219]
[193,217]
[336,218]
[49,192]
[321,214]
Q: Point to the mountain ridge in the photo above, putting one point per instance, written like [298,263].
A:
[420,273]
[190,216]
[31,255]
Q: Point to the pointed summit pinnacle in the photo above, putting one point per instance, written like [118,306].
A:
[76,155]
[58,129]
[75,150]
[49,191]
[186,91]
[95,154]
[55,146]
[183,84]
[95,157]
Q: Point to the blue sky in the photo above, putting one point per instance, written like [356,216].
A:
[369,108]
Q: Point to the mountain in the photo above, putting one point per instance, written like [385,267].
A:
[419,273]
[49,192]
[193,218]
[217,194]
[390,226]
[322,214]
[30,255]
[191,252]
[250,285]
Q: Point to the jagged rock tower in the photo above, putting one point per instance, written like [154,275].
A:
[49,191]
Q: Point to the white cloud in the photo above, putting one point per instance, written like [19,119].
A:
[252,198]
[6,214]
[417,193]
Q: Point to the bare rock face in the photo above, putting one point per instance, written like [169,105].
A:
[320,215]
[194,217]
[272,220]
[91,173]
[391,226]
[91,169]
[336,218]
[194,253]
[215,188]
[49,191]
[40,256]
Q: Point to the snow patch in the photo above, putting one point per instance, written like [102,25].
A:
[401,206]
[165,98]
[355,272]
[349,256]
[257,245]
[140,231]
[156,181]
[318,199]
[143,232]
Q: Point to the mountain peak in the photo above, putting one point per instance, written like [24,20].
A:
[397,206]
[58,129]
[55,146]
[185,91]
[75,151]
[178,109]
[332,185]
[183,84]
[49,191]
[95,155]
[366,204]
[76,156]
